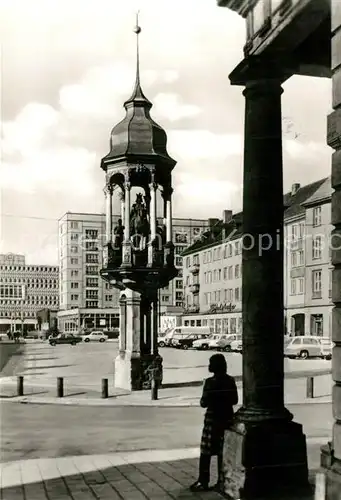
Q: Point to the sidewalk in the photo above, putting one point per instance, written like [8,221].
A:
[153,475]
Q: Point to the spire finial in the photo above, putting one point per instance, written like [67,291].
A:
[137,30]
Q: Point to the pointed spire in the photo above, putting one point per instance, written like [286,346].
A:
[138,95]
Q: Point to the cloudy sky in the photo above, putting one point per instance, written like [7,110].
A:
[66,68]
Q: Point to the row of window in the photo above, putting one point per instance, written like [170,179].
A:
[33,300]
[227,295]
[6,314]
[74,297]
[229,273]
[33,269]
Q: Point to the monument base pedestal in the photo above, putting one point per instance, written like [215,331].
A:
[135,372]
[331,467]
[265,460]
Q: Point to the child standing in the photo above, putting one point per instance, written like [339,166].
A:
[219,396]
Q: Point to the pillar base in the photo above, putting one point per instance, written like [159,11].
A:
[331,467]
[134,372]
[265,460]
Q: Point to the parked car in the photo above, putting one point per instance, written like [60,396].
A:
[224,343]
[63,338]
[236,345]
[187,342]
[183,332]
[326,348]
[305,347]
[202,344]
[95,336]
[214,341]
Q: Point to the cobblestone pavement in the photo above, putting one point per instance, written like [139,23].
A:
[153,475]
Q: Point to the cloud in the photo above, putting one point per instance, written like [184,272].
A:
[307,151]
[170,106]
[192,144]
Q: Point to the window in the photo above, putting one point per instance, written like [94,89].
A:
[91,246]
[91,234]
[188,262]
[178,296]
[91,258]
[293,259]
[74,297]
[180,249]
[293,286]
[236,294]
[229,250]
[181,238]
[165,298]
[74,236]
[317,247]
[237,248]
[91,294]
[74,284]
[300,285]
[178,260]
[108,298]
[178,284]
[91,270]
[74,225]
[317,212]
[301,258]
[92,282]
[317,284]
[230,273]
[236,271]
[74,272]
[225,273]
[91,304]
[74,249]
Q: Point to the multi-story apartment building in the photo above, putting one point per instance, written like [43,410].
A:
[25,290]
[213,267]
[87,300]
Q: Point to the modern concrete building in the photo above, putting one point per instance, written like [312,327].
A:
[283,38]
[87,300]
[24,290]
[213,267]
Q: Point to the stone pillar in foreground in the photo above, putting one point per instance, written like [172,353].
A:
[265,452]
[331,453]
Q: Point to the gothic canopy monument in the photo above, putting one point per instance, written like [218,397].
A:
[139,253]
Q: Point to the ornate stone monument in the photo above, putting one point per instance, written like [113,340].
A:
[139,255]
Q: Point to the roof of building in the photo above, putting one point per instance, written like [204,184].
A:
[293,204]
[322,194]
[138,135]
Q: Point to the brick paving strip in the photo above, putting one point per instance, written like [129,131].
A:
[153,475]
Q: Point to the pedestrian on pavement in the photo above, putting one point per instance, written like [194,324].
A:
[219,396]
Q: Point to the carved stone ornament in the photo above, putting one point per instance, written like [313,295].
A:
[126,254]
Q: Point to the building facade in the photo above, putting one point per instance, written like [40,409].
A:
[86,301]
[213,267]
[25,290]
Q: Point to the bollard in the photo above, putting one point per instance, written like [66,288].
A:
[310,387]
[105,391]
[154,388]
[20,386]
[60,387]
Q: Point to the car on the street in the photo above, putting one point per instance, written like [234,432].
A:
[187,342]
[224,343]
[202,344]
[95,336]
[182,332]
[307,346]
[215,341]
[64,338]
[236,345]
[326,348]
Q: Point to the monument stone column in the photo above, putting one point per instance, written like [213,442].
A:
[126,247]
[331,453]
[265,451]
[108,213]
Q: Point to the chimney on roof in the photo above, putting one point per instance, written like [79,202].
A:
[295,188]
[212,222]
[227,216]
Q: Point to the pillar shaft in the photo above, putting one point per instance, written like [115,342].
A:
[334,141]
[153,210]
[108,212]
[262,254]
[169,229]
[127,211]
[122,197]
[154,325]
